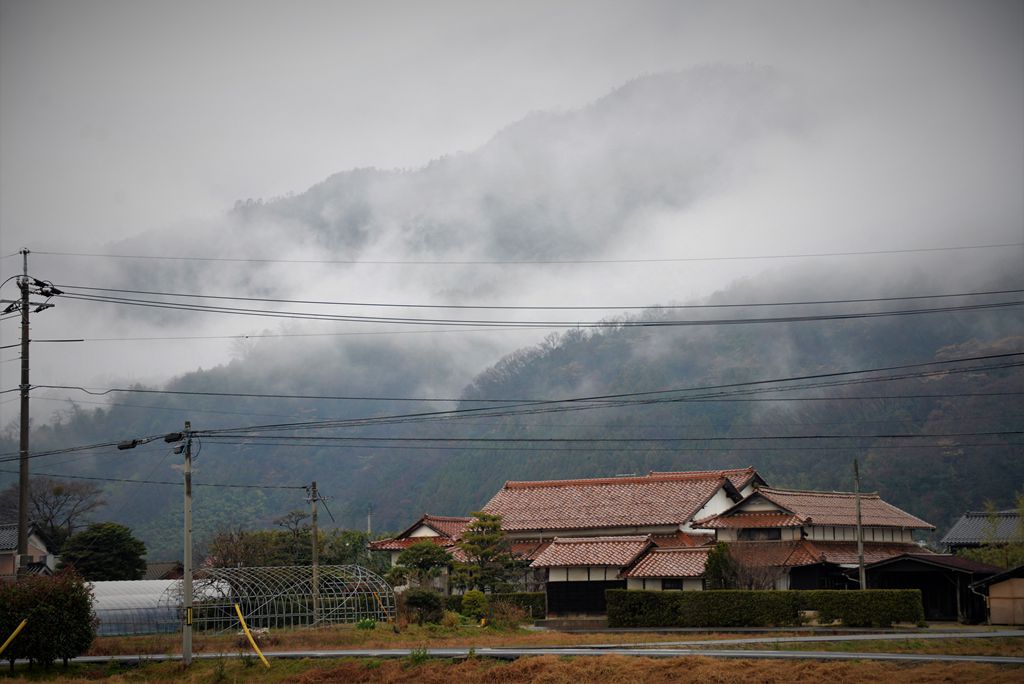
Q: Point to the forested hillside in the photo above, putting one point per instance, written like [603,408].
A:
[687,404]
[386,327]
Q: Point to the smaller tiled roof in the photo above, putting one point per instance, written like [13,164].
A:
[944,560]
[529,549]
[783,554]
[448,525]
[449,530]
[839,508]
[9,535]
[845,553]
[682,540]
[403,544]
[163,570]
[591,551]
[1012,573]
[669,562]
[822,508]
[751,520]
[975,528]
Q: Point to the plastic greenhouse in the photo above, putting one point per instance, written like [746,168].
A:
[277,597]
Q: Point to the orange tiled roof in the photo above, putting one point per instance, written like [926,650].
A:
[529,549]
[667,499]
[839,508]
[403,544]
[803,507]
[786,554]
[748,520]
[739,477]
[682,539]
[845,553]
[449,530]
[670,562]
[591,551]
[804,552]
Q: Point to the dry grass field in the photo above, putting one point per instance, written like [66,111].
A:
[541,670]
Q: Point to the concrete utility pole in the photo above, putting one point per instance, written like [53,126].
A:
[313,498]
[860,530]
[186,584]
[23,283]
[28,286]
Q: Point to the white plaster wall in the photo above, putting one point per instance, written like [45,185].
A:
[716,504]
[423,531]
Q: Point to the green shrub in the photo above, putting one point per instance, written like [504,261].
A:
[534,603]
[761,608]
[453,603]
[61,622]
[506,615]
[366,623]
[423,605]
[474,604]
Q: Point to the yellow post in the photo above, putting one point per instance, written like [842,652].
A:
[381,604]
[14,634]
[249,634]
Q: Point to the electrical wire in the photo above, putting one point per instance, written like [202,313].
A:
[161,482]
[470,262]
[70,289]
[815,376]
[629,323]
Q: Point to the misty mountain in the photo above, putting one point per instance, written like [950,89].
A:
[642,172]
[400,480]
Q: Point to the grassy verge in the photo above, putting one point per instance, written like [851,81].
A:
[996,646]
[549,669]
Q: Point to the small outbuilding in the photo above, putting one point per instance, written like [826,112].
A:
[1005,594]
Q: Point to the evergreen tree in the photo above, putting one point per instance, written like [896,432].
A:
[489,565]
[105,551]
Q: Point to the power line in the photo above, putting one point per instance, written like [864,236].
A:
[630,323]
[516,262]
[815,376]
[71,288]
[106,404]
[162,482]
[616,440]
[598,449]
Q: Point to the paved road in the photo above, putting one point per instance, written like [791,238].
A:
[649,650]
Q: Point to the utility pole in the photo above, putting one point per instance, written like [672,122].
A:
[186,584]
[28,286]
[23,443]
[186,580]
[313,498]
[862,575]
[369,525]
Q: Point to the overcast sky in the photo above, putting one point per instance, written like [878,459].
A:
[122,117]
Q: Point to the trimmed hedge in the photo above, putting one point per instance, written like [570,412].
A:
[533,602]
[871,608]
[727,608]
[761,608]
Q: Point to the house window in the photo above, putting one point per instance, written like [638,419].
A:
[670,584]
[761,534]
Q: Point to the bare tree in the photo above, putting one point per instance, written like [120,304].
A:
[58,508]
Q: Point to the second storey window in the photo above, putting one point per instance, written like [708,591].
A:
[760,534]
